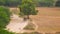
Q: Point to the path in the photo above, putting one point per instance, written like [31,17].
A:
[17,24]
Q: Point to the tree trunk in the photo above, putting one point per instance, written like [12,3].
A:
[28,17]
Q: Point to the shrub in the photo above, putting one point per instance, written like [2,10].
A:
[4,16]
[5,32]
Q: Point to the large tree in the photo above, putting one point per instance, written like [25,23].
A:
[27,8]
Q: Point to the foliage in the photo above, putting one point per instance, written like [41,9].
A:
[15,3]
[10,2]
[5,32]
[27,7]
[46,3]
[4,19]
[4,16]
[58,4]
[2,2]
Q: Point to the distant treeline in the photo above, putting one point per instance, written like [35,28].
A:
[10,2]
[49,3]
[58,3]
[41,3]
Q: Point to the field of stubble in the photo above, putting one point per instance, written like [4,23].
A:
[47,19]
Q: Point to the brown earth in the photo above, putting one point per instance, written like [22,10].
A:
[47,19]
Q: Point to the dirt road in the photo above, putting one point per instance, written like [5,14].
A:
[16,24]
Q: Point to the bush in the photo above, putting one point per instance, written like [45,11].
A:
[4,19]
[4,16]
[5,32]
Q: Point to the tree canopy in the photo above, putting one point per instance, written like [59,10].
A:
[27,7]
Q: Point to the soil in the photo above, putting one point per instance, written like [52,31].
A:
[47,19]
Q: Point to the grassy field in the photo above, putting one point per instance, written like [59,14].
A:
[47,19]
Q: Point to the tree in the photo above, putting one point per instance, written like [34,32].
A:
[27,8]
[2,2]
[4,16]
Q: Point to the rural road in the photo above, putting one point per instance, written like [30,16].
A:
[17,24]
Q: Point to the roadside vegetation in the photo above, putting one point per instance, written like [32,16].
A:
[4,16]
[4,19]
[5,32]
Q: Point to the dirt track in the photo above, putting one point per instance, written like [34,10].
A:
[48,19]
